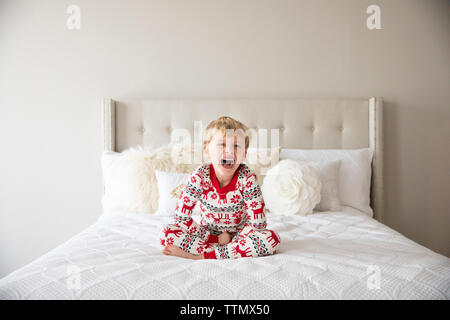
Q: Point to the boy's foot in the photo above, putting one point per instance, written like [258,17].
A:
[172,250]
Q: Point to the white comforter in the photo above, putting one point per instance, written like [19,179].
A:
[343,255]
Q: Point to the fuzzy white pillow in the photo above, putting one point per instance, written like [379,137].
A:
[129,177]
[291,188]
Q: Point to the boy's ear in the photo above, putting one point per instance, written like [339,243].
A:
[206,150]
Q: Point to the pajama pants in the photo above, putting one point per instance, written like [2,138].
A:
[197,239]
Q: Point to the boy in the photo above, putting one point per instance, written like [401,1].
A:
[233,223]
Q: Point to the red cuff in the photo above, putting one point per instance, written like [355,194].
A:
[212,239]
[210,255]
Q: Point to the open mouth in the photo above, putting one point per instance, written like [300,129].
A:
[227,163]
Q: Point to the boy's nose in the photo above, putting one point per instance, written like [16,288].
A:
[228,148]
[229,152]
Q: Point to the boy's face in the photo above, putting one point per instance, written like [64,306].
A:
[226,152]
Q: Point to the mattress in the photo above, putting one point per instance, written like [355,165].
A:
[327,255]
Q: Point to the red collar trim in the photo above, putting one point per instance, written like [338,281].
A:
[230,186]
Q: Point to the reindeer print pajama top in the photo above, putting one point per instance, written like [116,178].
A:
[237,208]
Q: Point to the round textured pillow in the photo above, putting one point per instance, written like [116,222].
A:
[291,188]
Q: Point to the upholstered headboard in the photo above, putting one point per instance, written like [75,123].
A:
[302,124]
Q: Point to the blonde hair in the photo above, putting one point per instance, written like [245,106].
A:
[223,124]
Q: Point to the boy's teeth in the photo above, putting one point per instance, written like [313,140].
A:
[227,161]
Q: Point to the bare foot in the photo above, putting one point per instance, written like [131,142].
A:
[172,250]
[225,238]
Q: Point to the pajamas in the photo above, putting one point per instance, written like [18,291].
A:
[237,208]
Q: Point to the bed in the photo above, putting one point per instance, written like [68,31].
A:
[343,254]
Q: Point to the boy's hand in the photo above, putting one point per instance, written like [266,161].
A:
[225,238]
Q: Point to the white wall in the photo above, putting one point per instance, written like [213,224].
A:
[52,80]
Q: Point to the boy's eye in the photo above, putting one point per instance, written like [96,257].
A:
[223,145]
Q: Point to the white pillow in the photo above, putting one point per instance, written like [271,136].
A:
[291,188]
[328,172]
[354,174]
[260,160]
[170,186]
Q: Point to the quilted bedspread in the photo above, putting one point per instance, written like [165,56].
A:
[329,255]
